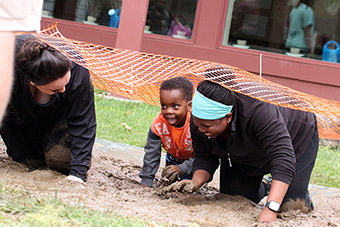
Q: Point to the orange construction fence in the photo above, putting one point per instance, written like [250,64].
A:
[138,75]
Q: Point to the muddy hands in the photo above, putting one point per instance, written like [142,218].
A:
[185,186]
[172,173]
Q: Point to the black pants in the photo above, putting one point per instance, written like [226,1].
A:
[234,182]
[36,145]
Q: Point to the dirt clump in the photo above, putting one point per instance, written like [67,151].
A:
[113,184]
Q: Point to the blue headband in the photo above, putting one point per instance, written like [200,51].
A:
[207,109]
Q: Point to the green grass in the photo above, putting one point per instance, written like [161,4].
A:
[112,114]
[18,208]
[139,116]
[326,171]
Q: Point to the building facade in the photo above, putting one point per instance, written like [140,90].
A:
[210,30]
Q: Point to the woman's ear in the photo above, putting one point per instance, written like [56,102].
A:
[189,106]
[32,83]
[229,117]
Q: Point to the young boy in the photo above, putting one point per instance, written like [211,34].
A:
[171,130]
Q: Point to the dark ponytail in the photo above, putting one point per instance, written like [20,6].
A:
[41,63]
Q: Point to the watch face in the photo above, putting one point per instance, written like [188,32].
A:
[273,205]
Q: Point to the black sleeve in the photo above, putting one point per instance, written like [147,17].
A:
[81,121]
[271,130]
[204,159]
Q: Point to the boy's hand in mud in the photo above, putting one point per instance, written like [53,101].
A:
[172,173]
[185,186]
[73,178]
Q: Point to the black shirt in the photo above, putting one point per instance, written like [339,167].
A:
[75,106]
[265,138]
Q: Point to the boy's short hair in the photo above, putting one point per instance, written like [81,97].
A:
[181,83]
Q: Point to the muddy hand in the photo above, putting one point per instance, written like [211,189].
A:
[172,173]
[266,216]
[185,186]
[73,178]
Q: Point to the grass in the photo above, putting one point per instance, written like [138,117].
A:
[139,116]
[18,208]
[326,171]
[124,122]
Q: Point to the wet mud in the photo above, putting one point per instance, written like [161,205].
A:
[113,184]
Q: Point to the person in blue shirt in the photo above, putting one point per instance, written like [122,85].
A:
[301,27]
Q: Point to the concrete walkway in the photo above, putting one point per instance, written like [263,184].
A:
[125,152]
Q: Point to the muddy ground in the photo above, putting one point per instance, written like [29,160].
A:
[113,184]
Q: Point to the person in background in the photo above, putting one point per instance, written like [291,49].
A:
[301,27]
[250,138]
[50,120]
[158,17]
[15,15]
[170,130]
[176,26]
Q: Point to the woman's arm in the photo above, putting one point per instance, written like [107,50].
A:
[277,192]
[6,70]
[81,121]
[199,178]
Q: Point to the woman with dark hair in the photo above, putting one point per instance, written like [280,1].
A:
[250,138]
[50,119]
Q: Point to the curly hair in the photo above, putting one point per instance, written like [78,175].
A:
[181,83]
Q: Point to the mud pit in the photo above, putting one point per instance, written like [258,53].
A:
[113,184]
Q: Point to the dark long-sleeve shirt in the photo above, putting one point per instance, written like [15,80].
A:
[152,157]
[265,138]
[75,106]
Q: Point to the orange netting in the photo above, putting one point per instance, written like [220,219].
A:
[138,76]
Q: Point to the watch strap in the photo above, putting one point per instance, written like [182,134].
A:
[274,206]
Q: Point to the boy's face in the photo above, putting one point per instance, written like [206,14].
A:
[174,106]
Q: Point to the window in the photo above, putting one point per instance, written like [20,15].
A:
[312,26]
[171,18]
[95,12]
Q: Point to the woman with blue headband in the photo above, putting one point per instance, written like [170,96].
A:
[250,139]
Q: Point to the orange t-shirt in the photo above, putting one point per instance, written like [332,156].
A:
[177,135]
[176,141]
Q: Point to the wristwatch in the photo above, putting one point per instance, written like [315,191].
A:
[273,206]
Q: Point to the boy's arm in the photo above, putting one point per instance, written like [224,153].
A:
[151,159]
[186,166]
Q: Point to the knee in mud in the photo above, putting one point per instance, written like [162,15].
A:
[58,158]
[298,204]
[35,164]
